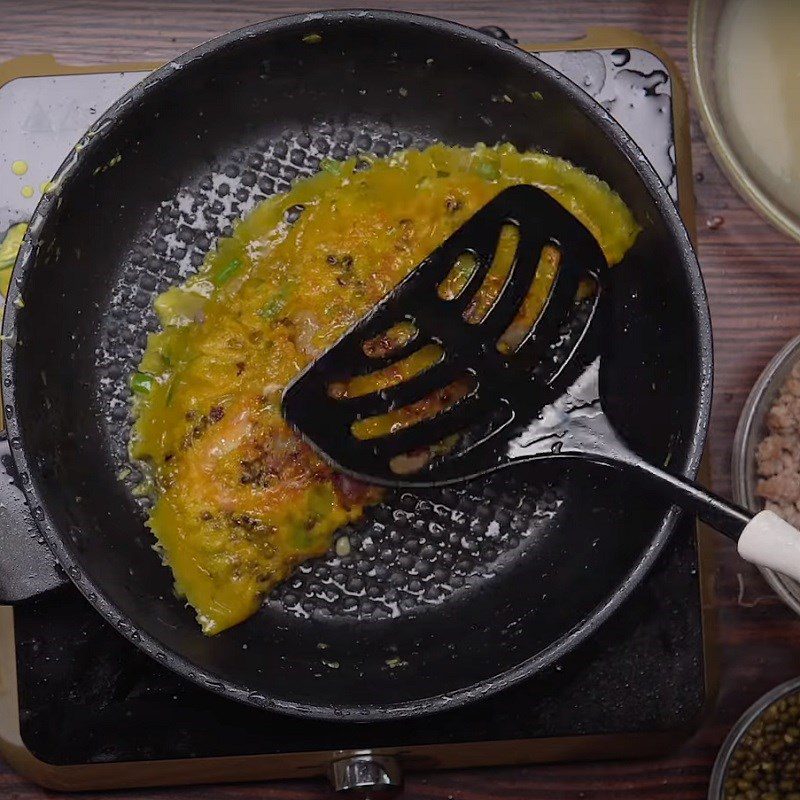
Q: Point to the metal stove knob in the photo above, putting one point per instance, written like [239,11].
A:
[369,777]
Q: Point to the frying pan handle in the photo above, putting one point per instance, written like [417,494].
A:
[27,567]
[771,542]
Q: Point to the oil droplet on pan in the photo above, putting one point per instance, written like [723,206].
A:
[19,167]
[27,191]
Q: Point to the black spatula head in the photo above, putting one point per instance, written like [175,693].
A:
[455,368]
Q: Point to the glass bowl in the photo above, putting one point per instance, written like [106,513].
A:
[704,20]
[749,433]
[717,783]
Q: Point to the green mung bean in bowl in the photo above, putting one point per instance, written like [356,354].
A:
[760,758]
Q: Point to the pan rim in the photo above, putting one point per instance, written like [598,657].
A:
[187,668]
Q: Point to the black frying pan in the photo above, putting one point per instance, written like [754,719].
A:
[449,594]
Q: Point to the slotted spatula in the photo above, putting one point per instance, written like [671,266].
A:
[540,400]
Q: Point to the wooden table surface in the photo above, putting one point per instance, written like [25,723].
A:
[753,278]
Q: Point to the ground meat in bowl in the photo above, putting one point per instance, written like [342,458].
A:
[778,453]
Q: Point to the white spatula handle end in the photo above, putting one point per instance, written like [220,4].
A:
[769,541]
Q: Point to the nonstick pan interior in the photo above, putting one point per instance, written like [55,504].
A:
[447,594]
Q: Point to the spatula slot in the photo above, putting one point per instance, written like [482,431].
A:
[415,460]
[428,407]
[398,372]
[496,278]
[534,302]
[458,277]
[390,341]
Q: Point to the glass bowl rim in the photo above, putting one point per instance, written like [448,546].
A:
[713,128]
